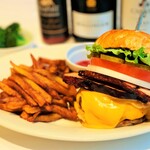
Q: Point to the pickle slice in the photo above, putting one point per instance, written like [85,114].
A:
[112,58]
[119,60]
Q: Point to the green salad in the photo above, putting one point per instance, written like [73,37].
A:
[11,36]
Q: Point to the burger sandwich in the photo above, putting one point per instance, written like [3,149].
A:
[114,90]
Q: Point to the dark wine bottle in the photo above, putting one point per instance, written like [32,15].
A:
[91,18]
[53,20]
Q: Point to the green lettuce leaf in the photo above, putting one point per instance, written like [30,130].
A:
[144,57]
[130,56]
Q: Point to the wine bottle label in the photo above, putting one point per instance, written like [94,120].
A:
[53,17]
[131,11]
[92,25]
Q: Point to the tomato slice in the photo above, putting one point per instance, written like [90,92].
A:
[130,70]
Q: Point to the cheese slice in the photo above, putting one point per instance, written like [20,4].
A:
[98,110]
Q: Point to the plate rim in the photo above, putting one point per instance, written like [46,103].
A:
[94,134]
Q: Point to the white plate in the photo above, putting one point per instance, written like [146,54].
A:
[63,129]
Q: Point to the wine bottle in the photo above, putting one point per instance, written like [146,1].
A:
[53,20]
[131,10]
[91,18]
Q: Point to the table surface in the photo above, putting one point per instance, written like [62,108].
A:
[25,12]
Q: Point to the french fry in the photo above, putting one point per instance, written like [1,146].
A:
[69,99]
[20,90]
[34,62]
[43,72]
[64,112]
[72,91]
[8,90]
[31,110]
[47,108]
[22,71]
[60,81]
[24,115]
[57,67]
[37,92]
[47,83]
[15,105]
[12,104]
[28,89]
[33,117]
[59,102]
[53,69]
[29,117]
[11,99]
[48,118]
[48,61]
[67,70]
[25,67]
[53,93]
[37,88]
[3,95]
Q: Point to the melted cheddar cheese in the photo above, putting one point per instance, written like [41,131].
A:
[98,110]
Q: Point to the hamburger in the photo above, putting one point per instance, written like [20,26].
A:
[114,90]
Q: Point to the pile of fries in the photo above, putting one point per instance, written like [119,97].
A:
[37,93]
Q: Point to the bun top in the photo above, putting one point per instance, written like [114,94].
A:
[131,39]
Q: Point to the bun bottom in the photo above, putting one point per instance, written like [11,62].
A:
[131,122]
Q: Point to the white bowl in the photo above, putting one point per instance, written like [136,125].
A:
[27,35]
[77,54]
